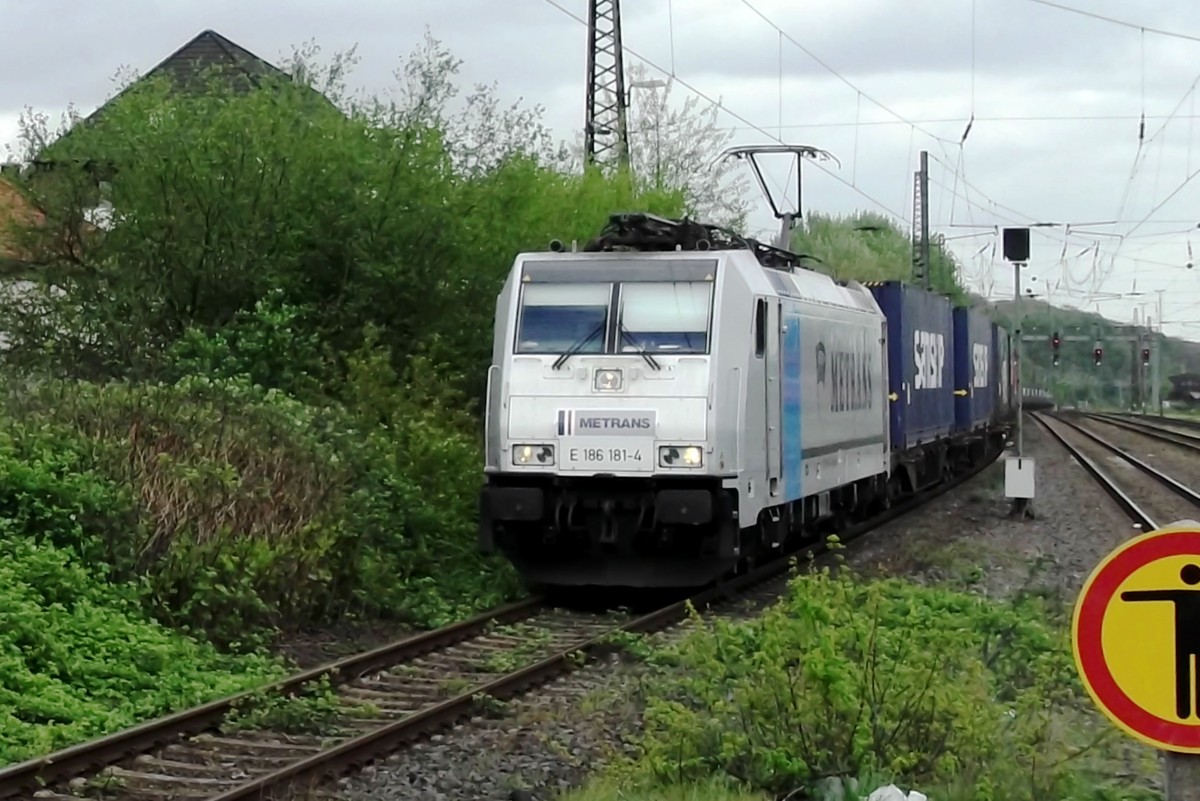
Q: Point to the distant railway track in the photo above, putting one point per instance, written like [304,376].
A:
[1136,514]
[1117,489]
[410,688]
[1157,428]
[1164,419]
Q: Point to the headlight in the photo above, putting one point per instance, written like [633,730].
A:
[609,380]
[680,456]
[533,454]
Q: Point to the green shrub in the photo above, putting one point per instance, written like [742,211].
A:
[929,687]
[79,658]
[240,508]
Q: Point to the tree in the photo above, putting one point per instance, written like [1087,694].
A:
[229,204]
[866,246]
[674,147]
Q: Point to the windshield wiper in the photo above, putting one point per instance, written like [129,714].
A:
[571,351]
[641,351]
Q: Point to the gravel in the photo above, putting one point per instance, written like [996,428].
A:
[1177,461]
[1155,499]
[967,536]
[546,743]
[554,737]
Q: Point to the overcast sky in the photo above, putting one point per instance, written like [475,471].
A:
[1057,97]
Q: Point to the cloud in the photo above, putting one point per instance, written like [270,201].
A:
[934,62]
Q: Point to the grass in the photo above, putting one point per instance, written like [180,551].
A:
[607,789]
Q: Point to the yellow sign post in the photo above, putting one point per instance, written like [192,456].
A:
[1136,638]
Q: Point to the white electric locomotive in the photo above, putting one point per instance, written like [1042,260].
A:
[674,400]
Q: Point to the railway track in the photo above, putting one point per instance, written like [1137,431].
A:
[388,697]
[1153,429]
[1160,498]
[1192,423]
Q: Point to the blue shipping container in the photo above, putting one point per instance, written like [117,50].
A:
[998,379]
[920,330]
[1004,383]
[974,369]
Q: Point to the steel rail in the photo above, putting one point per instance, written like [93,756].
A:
[1145,428]
[1182,490]
[1166,419]
[1127,504]
[385,739]
[76,760]
[24,777]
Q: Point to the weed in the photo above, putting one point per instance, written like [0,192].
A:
[925,686]
[632,644]
[534,642]
[314,711]
[456,686]
[490,705]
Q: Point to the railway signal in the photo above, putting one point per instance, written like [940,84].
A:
[1145,355]
[1054,343]
[1098,355]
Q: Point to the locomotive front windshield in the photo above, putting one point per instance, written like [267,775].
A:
[623,317]
[554,317]
[665,317]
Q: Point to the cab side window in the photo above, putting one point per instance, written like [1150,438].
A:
[760,327]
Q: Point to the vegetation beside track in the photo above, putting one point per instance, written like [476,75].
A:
[876,681]
[267,370]
[248,402]
[79,656]
[249,405]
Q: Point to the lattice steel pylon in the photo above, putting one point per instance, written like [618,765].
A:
[605,132]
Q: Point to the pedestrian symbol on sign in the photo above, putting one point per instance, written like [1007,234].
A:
[1135,633]
[1187,635]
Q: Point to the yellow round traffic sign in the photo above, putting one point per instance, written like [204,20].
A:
[1136,638]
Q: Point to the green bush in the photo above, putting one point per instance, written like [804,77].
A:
[285,330]
[868,246]
[926,687]
[79,658]
[240,508]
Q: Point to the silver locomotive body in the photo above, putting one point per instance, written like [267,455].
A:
[655,418]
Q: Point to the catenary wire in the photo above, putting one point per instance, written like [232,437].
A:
[732,113]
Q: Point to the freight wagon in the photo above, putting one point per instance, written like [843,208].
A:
[920,340]
[945,387]
[975,366]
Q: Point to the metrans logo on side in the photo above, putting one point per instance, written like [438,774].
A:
[605,423]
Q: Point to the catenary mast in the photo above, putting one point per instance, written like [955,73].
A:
[605,131]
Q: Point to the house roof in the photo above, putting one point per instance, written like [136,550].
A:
[210,48]
[207,49]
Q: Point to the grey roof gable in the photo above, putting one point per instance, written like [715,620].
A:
[208,49]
